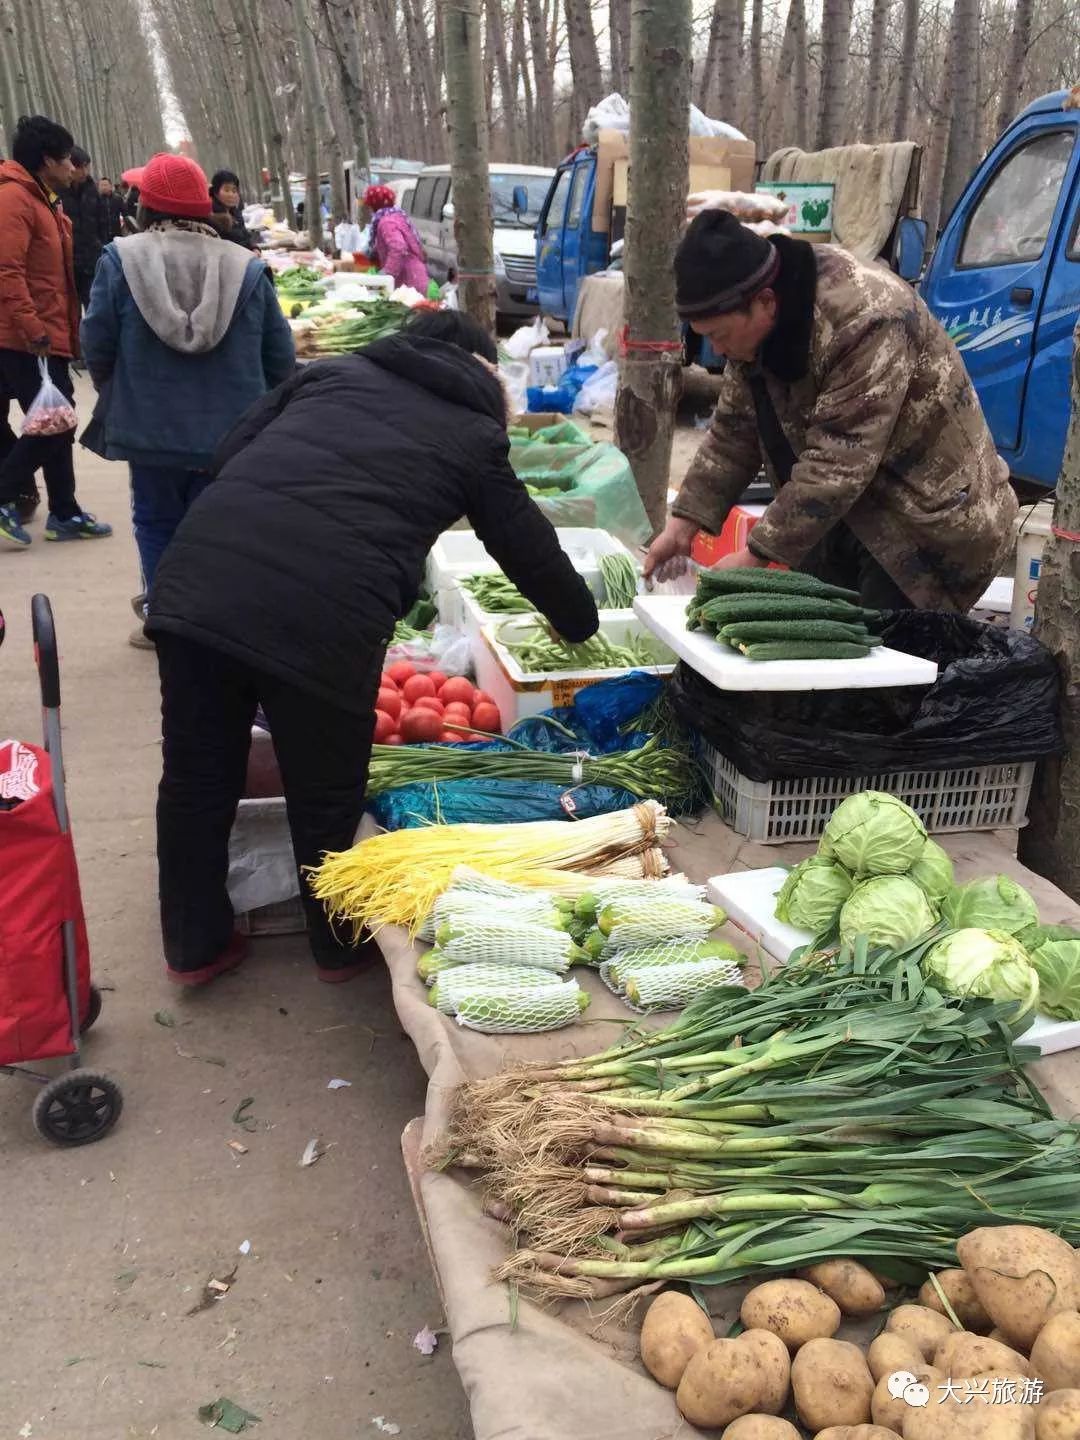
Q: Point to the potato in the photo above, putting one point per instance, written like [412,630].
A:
[960,1415]
[888,1409]
[774,1368]
[963,1354]
[890,1352]
[1002,1339]
[926,1329]
[1058,1417]
[674,1328]
[720,1383]
[832,1384]
[1055,1356]
[1022,1277]
[854,1288]
[760,1427]
[960,1293]
[857,1432]
[793,1309]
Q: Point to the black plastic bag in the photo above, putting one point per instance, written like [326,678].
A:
[995,702]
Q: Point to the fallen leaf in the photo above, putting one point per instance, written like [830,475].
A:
[152,1364]
[226,1415]
[166,1018]
[311,1152]
[206,1059]
[76,1359]
[426,1341]
[339,1084]
[125,1279]
[386,1426]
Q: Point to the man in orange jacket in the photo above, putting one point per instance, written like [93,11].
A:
[39,322]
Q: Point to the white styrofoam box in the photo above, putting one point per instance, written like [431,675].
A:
[547,364]
[459,553]
[749,897]
[665,616]
[519,694]
[773,812]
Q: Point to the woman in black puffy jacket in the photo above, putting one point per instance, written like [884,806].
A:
[282,586]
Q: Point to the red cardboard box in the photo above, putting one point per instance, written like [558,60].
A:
[708,549]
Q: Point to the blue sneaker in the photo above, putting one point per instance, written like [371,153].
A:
[10,528]
[81,526]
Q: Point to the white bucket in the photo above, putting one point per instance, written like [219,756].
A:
[1030,541]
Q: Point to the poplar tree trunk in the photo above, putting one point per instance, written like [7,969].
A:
[245,13]
[584,56]
[1050,842]
[463,32]
[934,167]
[962,149]
[756,82]
[801,82]
[1013,81]
[8,102]
[875,71]
[520,76]
[545,84]
[835,41]
[905,84]
[619,41]
[649,381]
[507,89]
[789,66]
[728,46]
[707,78]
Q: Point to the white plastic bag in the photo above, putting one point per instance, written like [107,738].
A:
[594,353]
[525,339]
[445,649]
[598,392]
[611,113]
[347,236]
[51,412]
[700,124]
[515,378]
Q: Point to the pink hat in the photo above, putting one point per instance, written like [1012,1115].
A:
[175,185]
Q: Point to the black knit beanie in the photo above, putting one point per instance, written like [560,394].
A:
[720,264]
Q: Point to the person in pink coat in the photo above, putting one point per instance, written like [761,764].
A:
[395,245]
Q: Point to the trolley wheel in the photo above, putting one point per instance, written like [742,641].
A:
[93,1010]
[77,1108]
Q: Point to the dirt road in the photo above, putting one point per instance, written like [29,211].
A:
[106,1250]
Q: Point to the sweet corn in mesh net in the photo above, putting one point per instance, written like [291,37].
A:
[522,1013]
[669,987]
[511,944]
[462,981]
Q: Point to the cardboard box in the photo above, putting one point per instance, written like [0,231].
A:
[708,549]
[706,152]
[702,177]
[810,207]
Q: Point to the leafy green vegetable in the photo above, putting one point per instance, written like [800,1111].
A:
[986,963]
[812,895]
[992,903]
[888,910]
[933,871]
[873,833]
[1057,964]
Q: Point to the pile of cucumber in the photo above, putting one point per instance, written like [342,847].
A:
[782,615]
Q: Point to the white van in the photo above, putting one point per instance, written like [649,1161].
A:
[517,195]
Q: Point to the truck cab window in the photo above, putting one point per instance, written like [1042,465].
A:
[556,212]
[577,198]
[1012,219]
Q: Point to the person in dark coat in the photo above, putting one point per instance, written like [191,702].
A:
[282,586]
[226,209]
[90,223]
[115,211]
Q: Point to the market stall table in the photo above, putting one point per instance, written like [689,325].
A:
[536,1374]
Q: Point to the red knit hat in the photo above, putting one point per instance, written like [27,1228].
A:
[379,197]
[175,185]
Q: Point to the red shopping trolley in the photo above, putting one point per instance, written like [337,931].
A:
[46,999]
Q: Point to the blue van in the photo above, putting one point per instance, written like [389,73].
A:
[1005,282]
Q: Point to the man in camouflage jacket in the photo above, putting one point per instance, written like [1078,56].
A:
[841,381]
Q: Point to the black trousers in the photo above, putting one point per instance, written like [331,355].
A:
[20,457]
[208,703]
[840,558]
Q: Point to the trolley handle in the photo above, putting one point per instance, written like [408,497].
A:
[48,661]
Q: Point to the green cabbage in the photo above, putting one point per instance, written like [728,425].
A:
[1055,954]
[933,870]
[987,963]
[873,834]
[889,910]
[813,893]
[992,903]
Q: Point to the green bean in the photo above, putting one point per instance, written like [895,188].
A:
[620,577]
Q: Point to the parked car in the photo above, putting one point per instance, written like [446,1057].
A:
[517,193]
[1005,282]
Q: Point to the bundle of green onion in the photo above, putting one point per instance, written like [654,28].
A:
[535,649]
[844,1108]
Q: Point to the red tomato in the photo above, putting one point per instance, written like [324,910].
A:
[384,726]
[428,702]
[389,702]
[416,686]
[420,725]
[450,737]
[459,713]
[394,739]
[400,671]
[481,697]
[486,717]
[456,688]
[386,682]
[437,678]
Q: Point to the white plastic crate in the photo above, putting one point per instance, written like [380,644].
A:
[981,797]
[286,917]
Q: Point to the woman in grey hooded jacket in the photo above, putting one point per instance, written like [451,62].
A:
[183,334]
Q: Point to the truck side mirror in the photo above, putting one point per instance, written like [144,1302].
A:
[448,210]
[911,248]
[520,200]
